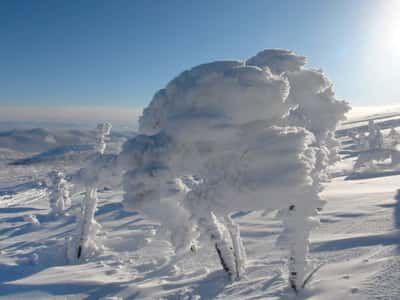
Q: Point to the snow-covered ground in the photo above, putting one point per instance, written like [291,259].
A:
[356,247]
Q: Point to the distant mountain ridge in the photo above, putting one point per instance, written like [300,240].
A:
[36,140]
[62,153]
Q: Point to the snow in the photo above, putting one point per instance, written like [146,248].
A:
[247,130]
[58,193]
[158,241]
[357,241]
[224,92]
[278,60]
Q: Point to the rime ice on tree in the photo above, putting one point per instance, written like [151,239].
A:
[85,241]
[393,138]
[102,132]
[378,150]
[312,100]
[58,194]
[251,133]
[88,227]
[375,137]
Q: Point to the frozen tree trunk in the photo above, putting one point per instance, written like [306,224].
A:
[222,240]
[298,231]
[88,225]
[238,247]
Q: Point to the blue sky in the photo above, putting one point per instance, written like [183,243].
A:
[118,53]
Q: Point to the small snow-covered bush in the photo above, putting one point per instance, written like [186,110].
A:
[256,135]
[393,139]
[360,140]
[58,193]
[32,220]
[102,132]
[375,137]
[378,149]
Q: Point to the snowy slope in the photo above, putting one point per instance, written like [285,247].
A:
[357,242]
[67,154]
[364,113]
[358,117]
[356,245]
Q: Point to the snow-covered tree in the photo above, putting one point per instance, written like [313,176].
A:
[227,123]
[379,149]
[103,130]
[360,140]
[363,143]
[88,227]
[375,139]
[393,138]
[58,193]
[97,171]
[311,97]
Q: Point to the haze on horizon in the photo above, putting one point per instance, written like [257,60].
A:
[70,60]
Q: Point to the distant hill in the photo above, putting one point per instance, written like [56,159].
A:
[37,140]
[63,153]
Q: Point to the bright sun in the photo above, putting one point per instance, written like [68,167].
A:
[388,29]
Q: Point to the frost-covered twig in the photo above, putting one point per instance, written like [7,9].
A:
[223,244]
[238,247]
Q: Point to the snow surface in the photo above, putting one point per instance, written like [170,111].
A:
[356,245]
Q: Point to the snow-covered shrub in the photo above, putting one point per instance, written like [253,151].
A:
[32,220]
[367,160]
[238,247]
[375,137]
[98,170]
[232,125]
[360,140]
[58,193]
[85,241]
[393,139]
[378,150]
[224,246]
[102,132]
